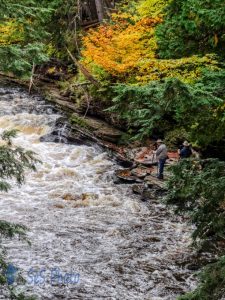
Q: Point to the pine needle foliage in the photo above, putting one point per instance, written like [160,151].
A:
[212,283]
[14,161]
[197,188]
[192,27]
[165,105]
[24,28]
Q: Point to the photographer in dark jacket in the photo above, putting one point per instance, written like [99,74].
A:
[185,151]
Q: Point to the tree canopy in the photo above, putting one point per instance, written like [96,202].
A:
[192,27]
[24,28]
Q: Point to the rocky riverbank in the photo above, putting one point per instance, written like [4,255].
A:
[122,247]
[74,128]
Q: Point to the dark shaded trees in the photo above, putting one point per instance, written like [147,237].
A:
[192,27]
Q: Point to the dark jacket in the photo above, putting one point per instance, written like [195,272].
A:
[185,152]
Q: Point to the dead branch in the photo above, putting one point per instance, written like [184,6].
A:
[84,71]
[32,78]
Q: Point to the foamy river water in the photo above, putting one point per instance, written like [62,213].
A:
[90,239]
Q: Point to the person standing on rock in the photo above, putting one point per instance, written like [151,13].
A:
[161,156]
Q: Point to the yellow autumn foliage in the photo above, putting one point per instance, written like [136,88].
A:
[10,33]
[187,69]
[126,49]
[128,52]
[119,48]
[152,8]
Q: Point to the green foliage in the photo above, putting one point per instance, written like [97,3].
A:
[212,283]
[209,127]
[163,106]
[14,161]
[30,20]
[192,27]
[197,188]
[152,8]
[75,119]
[9,230]
[63,27]
[125,139]
[20,59]
[213,82]
[176,137]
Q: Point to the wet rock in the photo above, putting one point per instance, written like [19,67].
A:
[117,180]
[125,176]
[123,162]
[151,239]
[152,181]
[99,128]
[147,194]
[149,190]
[51,138]
[192,267]
[138,188]
[70,197]
[61,121]
[141,172]
[179,277]
[109,134]
[59,206]
[78,138]
[63,133]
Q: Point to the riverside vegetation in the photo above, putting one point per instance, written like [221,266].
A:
[14,161]
[160,71]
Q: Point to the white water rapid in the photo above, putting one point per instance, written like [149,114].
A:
[81,223]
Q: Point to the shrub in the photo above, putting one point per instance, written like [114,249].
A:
[166,105]
[212,283]
[197,188]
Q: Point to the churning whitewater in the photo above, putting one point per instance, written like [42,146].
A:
[108,243]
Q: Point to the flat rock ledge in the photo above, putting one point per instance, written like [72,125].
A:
[97,127]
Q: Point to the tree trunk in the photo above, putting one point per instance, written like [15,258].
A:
[100,9]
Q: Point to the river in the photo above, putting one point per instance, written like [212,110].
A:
[79,222]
